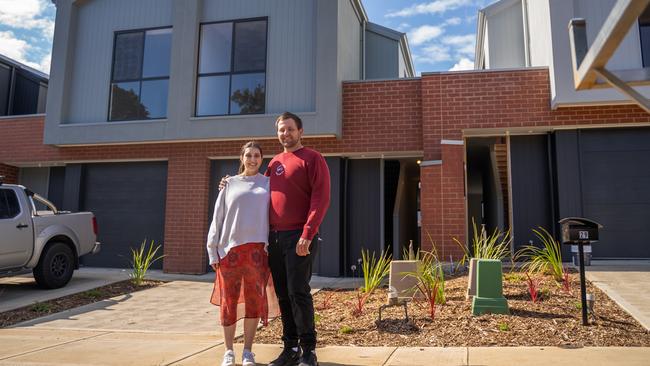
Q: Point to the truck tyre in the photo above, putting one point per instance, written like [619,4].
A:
[55,267]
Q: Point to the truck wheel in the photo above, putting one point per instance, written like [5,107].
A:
[55,267]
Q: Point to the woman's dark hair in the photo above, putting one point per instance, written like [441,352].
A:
[253,144]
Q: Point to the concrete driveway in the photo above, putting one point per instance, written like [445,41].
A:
[627,283]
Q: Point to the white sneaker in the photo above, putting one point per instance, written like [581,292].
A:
[248,358]
[228,358]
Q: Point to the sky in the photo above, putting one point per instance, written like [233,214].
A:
[441,33]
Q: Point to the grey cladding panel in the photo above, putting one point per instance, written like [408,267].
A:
[382,57]
[98,21]
[531,193]
[128,200]
[363,214]
[616,189]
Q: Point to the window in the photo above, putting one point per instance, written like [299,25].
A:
[140,76]
[232,68]
[9,207]
[644,34]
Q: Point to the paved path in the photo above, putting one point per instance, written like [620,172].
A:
[627,283]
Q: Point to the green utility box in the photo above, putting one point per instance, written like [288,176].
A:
[489,288]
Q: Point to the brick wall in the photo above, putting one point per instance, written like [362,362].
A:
[10,173]
[378,117]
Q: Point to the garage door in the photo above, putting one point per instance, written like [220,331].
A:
[128,200]
[615,170]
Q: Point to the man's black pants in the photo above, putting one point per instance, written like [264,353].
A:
[291,275]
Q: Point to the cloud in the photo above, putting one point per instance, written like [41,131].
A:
[464,45]
[453,21]
[27,14]
[463,64]
[19,49]
[434,7]
[423,34]
[433,54]
[447,48]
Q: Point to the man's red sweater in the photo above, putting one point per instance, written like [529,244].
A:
[300,191]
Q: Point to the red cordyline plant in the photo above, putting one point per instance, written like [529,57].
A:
[533,287]
[430,278]
[361,301]
[327,303]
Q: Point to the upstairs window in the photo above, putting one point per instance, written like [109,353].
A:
[140,75]
[232,68]
[644,33]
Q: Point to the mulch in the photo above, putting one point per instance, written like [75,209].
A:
[45,308]
[555,320]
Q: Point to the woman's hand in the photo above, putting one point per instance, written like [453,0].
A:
[215,266]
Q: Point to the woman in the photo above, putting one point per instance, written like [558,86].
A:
[236,245]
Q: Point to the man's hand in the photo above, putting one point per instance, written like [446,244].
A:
[223,183]
[302,248]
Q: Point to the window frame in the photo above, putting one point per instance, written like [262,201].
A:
[141,79]
[20,208]
[230,73]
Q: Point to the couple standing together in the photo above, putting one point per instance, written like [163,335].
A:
[269,223]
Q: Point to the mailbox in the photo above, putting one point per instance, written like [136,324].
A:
[578,230]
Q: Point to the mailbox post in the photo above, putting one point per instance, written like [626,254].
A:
[580,231]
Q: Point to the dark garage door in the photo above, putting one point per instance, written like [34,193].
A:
[128,200]
[615,167]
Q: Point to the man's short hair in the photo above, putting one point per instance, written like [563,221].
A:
[287,115]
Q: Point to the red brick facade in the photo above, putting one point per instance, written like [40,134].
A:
[10,173]
[378,117]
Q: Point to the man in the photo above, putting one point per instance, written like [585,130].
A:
[300,196]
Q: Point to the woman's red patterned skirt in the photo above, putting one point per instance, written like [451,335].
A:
[243,287]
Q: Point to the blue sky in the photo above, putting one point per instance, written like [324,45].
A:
[441,33]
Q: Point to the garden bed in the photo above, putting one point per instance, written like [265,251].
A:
[44,308]
[555,320]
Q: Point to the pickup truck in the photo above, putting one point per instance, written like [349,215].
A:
[48,242]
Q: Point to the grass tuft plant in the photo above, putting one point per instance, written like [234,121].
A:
[345,329]
[374,269]
[484,246]
[547,259]
[143,258]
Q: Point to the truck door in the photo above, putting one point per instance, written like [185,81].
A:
[16,231]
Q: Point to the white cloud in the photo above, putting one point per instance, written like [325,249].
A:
[433,54]
[424,34]
[453,21]
[463,64]
[27,14]
[463,45]
[403,26]
[18,50]
[434,7]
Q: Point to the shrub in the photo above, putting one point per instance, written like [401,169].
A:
[547,259]
[143,258]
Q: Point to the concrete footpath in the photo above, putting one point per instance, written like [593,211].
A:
[173,324]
